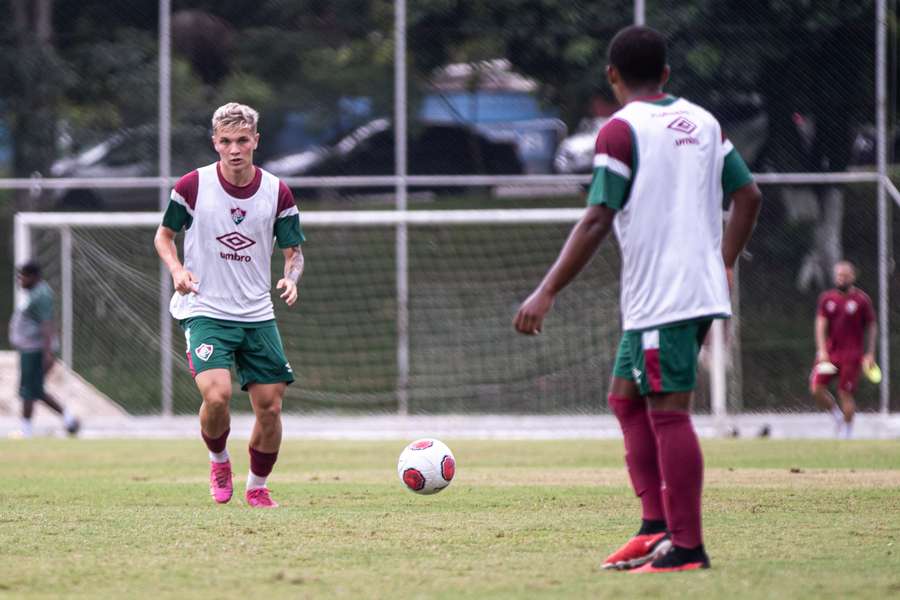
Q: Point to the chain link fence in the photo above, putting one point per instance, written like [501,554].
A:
[507,89]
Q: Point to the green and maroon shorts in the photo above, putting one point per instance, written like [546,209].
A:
[663,359]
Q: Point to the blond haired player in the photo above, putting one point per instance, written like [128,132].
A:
[233,214]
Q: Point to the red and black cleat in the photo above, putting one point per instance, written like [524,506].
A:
[677,559]
[637,551]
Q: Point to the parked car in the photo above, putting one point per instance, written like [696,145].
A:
[290,130]
[502,104]
[434,149]
[129,152]
[575,153]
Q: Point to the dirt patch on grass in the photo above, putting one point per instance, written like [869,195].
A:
[751,478]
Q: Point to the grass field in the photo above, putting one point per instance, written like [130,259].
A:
[132,519]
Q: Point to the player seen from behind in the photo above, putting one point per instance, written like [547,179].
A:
[661,171]
[233,213]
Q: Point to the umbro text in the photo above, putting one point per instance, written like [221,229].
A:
[235,256]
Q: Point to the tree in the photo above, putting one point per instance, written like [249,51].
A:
[809,64]
[33,72]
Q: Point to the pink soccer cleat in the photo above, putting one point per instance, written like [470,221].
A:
[260,498]
[220,486]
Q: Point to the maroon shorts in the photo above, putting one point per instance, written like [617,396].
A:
[848,368]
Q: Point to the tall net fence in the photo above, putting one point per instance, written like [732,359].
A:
[505,89]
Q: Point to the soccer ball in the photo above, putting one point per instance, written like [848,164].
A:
[426,466]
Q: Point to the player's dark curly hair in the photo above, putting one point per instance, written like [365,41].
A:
[639,54]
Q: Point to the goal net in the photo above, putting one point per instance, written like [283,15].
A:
[467,273]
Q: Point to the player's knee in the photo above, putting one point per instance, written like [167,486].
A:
[217,397]
[848,402]
[623,407]
[269,404]
[268,412]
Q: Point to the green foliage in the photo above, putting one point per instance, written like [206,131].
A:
[100,71]
[245,88]
[116,85]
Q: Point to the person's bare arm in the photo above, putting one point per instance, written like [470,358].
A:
[583,241]
[871,337]
[48,331]
[745,204]
[293,271]
[821,328]
[164,242]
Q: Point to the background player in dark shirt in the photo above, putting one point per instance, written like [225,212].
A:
[846,330]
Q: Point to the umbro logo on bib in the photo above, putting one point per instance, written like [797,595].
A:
[683,125]
[235,241]
[203,351]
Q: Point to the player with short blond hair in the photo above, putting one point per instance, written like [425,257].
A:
[235,116]
[233,214]
[662,169]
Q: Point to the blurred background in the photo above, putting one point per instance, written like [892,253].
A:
[501,102]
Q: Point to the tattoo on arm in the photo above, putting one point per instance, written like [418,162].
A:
[293,266]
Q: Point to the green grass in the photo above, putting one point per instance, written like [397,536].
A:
[523,519]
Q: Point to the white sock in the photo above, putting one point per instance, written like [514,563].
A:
[27,430]
[68,417]
[848,430]
[219,457]
[837,414]
[255,481]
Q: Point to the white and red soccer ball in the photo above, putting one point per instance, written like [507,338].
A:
[426,466]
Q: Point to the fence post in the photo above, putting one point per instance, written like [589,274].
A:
[165,150]
[718,389]
[21,253]
[883,213]
[402,242]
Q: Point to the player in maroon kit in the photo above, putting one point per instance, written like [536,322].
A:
[844,319]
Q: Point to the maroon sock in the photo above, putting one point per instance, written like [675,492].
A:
[261,463]
[681,464]
[641,456]
[216,444]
